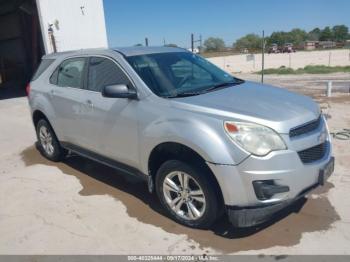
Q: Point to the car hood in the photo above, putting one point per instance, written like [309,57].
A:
[274,107]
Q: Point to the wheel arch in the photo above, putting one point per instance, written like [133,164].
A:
[176,151]
[37,115]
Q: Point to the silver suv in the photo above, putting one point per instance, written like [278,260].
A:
[206,142]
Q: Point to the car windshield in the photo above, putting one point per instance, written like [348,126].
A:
[176,74]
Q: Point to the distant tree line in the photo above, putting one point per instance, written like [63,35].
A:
[338,33]
[214,44]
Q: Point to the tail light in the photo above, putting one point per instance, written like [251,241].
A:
[28,89]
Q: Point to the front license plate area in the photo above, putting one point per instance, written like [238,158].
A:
[326,172]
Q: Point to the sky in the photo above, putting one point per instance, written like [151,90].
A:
[130,21]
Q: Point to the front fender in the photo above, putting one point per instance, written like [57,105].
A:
[203,134]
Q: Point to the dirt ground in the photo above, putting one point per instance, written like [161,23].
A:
[81,207]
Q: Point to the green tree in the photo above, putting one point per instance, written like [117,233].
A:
[279,38]
[297,36]
[250,41]
[326,34]
[314,34]
[214,44]
[340,33]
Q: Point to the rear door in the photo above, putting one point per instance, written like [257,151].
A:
[67,96]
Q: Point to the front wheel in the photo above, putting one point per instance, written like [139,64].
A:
[188,194]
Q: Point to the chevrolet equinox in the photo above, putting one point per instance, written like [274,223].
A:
[207,143]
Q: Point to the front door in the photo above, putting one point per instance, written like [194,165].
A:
[111,124]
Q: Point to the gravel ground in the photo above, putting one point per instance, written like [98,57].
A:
[81,207]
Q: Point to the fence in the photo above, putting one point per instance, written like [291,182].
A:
[251,63]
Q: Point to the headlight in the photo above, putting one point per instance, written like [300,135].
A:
[256,139]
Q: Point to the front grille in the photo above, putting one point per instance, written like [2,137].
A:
[313,154]
[306,128]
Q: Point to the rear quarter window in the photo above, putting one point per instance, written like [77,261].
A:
[45,63]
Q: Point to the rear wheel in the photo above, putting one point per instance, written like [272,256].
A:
[49,145]
[188,194]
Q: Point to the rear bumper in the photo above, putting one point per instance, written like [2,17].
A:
[255,215]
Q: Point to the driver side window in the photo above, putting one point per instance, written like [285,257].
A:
[104,72]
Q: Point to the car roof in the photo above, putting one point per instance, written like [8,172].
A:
[143,50]
[125,51]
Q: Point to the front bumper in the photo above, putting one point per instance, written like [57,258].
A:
[255,215]
[284,168]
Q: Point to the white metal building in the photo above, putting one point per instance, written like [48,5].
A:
[31,28]
[76,24]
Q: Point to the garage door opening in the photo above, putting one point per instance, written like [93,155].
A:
[21,45]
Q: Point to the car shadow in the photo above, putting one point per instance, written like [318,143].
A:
[284,229]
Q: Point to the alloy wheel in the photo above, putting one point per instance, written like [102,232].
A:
[46,140]
[184,195]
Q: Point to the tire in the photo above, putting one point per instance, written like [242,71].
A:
[48,144]
[204,214]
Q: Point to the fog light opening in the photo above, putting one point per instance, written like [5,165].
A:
[266,189]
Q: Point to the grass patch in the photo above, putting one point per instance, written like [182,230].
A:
[310,69]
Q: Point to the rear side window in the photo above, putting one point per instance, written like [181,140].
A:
[45,63]
[104,72]
[69,73]
[53,78]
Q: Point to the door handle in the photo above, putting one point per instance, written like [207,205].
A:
[89,103]
[55,92]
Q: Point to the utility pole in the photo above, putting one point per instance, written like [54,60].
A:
[146,41]
[263,56]
[196,41]
[192,43]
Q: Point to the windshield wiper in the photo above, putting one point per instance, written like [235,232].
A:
[217,86]
[225,84]
[185,94]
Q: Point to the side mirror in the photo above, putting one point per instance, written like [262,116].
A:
[118,91]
